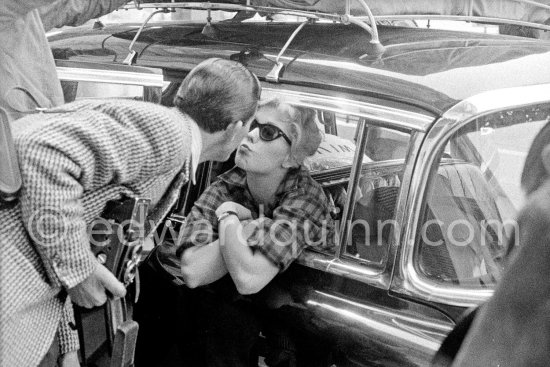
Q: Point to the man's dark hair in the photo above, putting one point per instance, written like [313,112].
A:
[217,93]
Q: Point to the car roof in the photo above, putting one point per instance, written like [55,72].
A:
[423,68]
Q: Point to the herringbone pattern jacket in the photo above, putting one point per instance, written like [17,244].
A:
[73,160]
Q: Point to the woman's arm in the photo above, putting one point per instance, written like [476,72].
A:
[201,265]
[250,271]
[255,255]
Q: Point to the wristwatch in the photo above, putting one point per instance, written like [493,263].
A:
[226,214]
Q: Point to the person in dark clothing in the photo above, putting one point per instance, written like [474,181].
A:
[513,328]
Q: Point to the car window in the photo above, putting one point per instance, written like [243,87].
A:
[373,217]
[107,90]
[473,197]
[373,220]
[73,91]
[89,80]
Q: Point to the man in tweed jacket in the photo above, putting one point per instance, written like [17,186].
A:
[77,157]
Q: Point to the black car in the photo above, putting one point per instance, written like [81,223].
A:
[426,135]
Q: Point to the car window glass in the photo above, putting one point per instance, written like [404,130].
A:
[473,197]
[373,220]
[78,90]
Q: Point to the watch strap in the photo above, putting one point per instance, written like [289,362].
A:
[226,214]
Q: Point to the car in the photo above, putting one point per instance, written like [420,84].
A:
[426,132]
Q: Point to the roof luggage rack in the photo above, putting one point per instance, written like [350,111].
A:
[448,10]
[368,23]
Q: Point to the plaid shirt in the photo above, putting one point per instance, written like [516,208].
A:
[73,160]
[298,218]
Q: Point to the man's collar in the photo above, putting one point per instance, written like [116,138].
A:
[196,145]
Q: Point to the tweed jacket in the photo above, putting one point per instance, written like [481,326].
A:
[28,78]
[73,160]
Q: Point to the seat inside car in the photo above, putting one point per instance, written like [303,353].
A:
[373,217]
[460,240]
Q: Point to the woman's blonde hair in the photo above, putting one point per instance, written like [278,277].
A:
[304,132]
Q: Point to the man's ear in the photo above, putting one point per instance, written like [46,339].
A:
[545,157]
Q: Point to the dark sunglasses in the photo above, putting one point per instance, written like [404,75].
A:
[269,132]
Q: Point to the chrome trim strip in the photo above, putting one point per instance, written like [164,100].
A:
[388,116]
[465,18]
[329,264]
[433,325]
[110,76]
[474,107]
[349,207]
[402,206]
[391,330]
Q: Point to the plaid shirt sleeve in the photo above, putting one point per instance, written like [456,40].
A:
[301,220]
[201,224]
[95,145]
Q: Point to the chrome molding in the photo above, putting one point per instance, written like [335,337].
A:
[474,107]
[145,79]
[352,189]
[386,327]
[383,116]
[402,207]
[464,18]
[348,269]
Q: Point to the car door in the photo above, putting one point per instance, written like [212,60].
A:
[92,80]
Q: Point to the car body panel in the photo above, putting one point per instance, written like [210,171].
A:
[358,322]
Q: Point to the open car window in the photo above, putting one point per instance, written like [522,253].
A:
[473,197]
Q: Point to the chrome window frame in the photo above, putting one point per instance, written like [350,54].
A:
[414,123]
[384,116]
[148,78]
[409,281]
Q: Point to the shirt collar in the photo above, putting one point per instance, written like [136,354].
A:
[196,145]
[237,177]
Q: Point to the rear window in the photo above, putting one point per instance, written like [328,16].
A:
[474,196]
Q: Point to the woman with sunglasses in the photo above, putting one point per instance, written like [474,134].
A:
[251,224]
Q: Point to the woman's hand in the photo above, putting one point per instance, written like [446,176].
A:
[242,212]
